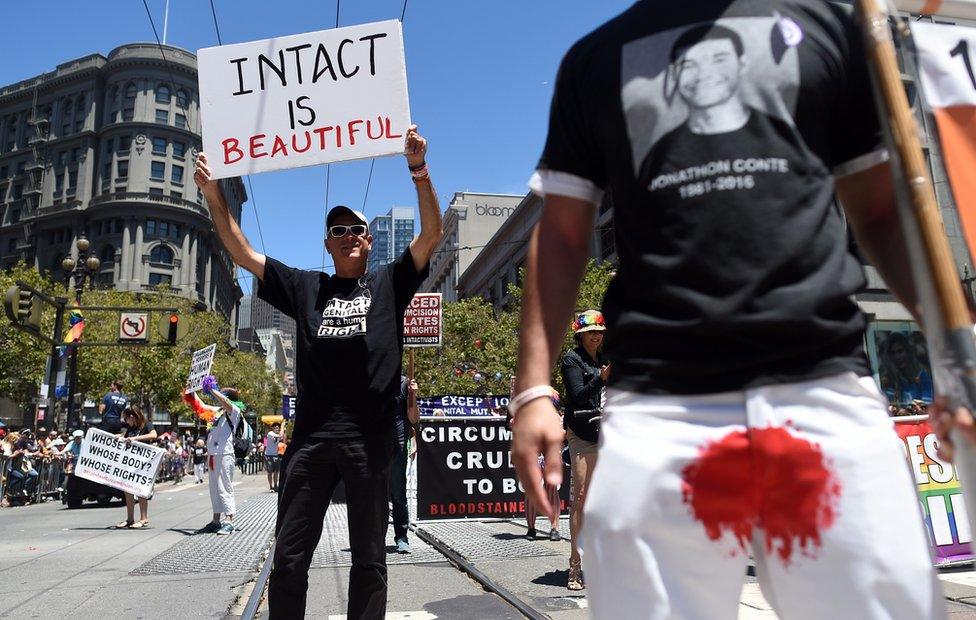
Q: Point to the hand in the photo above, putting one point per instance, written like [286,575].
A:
[536,431]
[201,175]
[605,372]
[416,147]
[943,421]
[128,441]
[412,387]
[120,436]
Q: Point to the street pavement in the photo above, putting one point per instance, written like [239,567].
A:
[59,563]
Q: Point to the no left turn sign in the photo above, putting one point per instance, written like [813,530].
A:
[132,326]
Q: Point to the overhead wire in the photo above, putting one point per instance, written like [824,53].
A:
[328,171]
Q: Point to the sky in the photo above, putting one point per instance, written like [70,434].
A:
[480,77]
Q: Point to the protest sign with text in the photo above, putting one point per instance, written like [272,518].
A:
[129,466]
[455,405]
[305,99]
[939,492]
[422,321]
[464,470]
[200,367]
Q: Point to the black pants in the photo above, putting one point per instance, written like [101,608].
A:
[311,471]
[398,494]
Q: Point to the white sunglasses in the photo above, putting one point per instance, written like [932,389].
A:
[340,230]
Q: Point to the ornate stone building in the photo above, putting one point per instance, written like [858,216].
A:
[105,147]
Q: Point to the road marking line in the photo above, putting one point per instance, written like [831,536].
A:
[397,615]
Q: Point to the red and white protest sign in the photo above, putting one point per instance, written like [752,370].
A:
[422,322]
[304,99]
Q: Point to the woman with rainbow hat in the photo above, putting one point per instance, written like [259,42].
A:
[585,375]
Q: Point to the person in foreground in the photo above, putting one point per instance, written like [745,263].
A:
[349,355]
[136,426]
[741,415]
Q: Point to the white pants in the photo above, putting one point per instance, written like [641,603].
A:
[198,469]
[222,483]
[807,477]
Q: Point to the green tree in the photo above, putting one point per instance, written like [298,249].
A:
[478,339]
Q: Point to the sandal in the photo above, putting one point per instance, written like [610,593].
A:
[140,525]
[122,525]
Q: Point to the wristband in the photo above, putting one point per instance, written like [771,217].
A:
[526,396]
[417,167]
[420,173]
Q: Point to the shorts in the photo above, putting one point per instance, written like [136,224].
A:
[580,446]
[272,462]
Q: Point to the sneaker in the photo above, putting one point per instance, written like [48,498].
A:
[226,528]
[209,528]
[554,535]
[403,546]
[530,535]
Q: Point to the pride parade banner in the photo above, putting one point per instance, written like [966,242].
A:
[938,492]
[304,99]
[454,405]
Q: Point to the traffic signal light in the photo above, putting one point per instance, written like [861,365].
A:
[23,307]
[174,322]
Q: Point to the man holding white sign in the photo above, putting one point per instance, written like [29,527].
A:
[348,375]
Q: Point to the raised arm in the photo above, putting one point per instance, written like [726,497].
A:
[228,230]
[413,411]
[423,245]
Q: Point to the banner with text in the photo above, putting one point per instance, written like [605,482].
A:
[464,470]
[939,493]
[453,405]
[422,321]
[288,403]
[200,367]
[945,60]
[127,466]
[304,99]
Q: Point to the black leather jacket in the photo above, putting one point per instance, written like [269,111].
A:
[581,376]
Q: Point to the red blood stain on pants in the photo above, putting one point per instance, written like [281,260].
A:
[764,478]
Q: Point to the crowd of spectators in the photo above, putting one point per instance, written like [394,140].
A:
[23,457]
[916,407]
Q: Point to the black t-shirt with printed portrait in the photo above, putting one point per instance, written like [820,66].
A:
[128,431]
[350,344]
[716,128]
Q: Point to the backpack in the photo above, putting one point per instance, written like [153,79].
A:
[242,438]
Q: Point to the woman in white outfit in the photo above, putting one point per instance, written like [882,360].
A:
[220,456]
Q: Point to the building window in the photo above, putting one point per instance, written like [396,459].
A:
[181,99]
[109,145]
[123,168]
[21,166]
[161,254]
[155,279]
[155,191]
[125,142]
[181,121]
[108,254]
[150,227]
[162,94]
[107,171]
[75,154]
[14,216]
[159,146]
[18,191]
[65,129]
[177,175]
[175,193]
[163,229]
[179,149]
[158,172]
[129,103]
[174,231]
[79,124]
[58,182]
[11,245]
[72,179]
[162,116]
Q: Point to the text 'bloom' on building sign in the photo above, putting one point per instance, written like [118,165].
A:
[422,321]
[305,99]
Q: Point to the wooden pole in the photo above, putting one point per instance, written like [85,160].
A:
[410,361]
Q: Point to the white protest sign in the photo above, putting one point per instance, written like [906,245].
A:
[422,321]
[127,466]
[304,99]
[200,367]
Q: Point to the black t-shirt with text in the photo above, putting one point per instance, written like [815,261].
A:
[115,403]
[716,129]
[199,455]
[350,344]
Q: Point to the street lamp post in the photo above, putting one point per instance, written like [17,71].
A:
[86,266]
